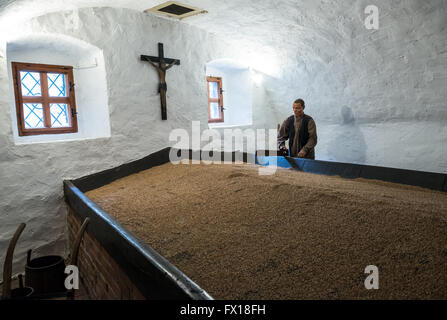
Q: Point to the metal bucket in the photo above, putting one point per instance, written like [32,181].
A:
[21,293]
[45,275]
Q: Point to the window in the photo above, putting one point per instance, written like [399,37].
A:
[45,99]
[215,100]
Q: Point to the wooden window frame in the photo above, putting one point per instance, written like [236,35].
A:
[44,99]
[219,100]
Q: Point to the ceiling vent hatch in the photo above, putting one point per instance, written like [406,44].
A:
[176,10]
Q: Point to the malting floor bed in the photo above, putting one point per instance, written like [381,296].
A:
[292,235]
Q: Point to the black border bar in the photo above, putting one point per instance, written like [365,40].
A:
[429,180]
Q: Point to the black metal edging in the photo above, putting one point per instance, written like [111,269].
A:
[429,180]
[218,156]
[103,178]
[161,157]
[152,274]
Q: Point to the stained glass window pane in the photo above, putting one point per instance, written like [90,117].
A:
[56,85]
[214,110]
[30,84]
[214,94]
[59,115]
[33,114]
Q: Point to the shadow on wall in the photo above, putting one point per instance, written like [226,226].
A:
[348,143]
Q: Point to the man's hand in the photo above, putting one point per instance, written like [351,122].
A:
[302,154]
[283,151]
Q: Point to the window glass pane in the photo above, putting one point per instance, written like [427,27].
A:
[214,94]
[56,85]
[59,115]
[33,114]
[214,110]
[30,83]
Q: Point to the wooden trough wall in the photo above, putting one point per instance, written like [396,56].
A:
[114,264]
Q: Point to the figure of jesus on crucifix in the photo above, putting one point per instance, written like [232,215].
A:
[161,69]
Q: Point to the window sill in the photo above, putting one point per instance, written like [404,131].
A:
[52,139]
[227,126]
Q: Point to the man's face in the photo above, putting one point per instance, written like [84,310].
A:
[298,110]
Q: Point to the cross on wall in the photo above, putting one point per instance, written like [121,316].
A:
[161,69]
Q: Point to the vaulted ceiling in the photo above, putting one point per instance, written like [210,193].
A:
[222,16]
[316,27]
[316,39]
[299,30]
[270,22]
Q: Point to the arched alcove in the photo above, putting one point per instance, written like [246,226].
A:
[237,92]
[89,78]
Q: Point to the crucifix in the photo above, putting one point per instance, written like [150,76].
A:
[161,69]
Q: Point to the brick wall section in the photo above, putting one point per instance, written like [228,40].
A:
[100,275]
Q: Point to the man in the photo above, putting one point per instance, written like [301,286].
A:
[301,131]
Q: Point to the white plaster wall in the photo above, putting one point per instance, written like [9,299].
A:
[89,78]
[409,145]
[31,175]
[378,96]
[237,95]
[254,108]
[392,79]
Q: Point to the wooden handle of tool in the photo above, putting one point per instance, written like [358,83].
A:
[77,243]
[7,267]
